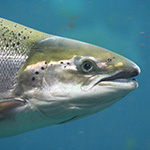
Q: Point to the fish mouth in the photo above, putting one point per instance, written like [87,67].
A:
[120,78]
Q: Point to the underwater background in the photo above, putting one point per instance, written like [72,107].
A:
[120,26]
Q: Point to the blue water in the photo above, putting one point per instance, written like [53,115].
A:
[121,26]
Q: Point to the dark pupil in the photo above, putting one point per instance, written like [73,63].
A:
[87,66]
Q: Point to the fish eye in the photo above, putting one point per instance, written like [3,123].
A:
[87,66]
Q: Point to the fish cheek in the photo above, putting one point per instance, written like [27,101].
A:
[32,76]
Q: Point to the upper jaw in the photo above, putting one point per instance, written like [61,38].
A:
[122,77]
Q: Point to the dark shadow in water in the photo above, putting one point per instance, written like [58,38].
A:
[71,25]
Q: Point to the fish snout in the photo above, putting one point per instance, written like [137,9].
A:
[133,70]
[136,70]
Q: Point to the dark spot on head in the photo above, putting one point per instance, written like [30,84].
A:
[10,40]
[30,31]
[15,25]
[24,37]
[2,34]
[36,72]
[64,66]
[7,45]
[61,62]
[45,62]
[16,49]
[68,63]
[42,68]
[28,37]
[4,39]
[109,60]
[21,31]
[19,34]
[11,32]
[13,45]
[33,78]
[18,43]
[25,28]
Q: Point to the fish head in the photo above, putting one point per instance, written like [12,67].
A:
[64,77]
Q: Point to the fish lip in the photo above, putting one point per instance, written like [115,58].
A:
[121,83]
[124,76]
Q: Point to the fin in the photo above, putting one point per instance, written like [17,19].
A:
[7,108]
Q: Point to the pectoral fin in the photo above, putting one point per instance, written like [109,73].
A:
[8,108]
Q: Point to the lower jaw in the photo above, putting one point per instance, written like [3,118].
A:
[120,83]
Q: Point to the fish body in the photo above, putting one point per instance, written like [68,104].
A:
[47,80]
